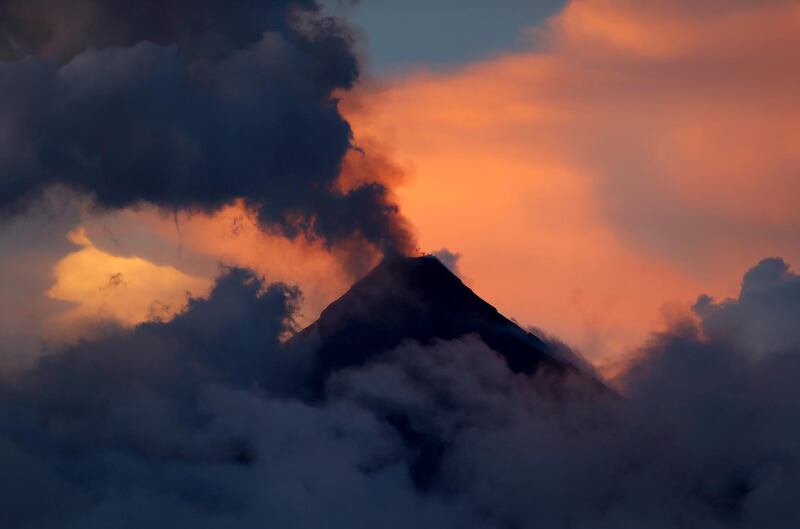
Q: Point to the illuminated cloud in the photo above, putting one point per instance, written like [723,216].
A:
[128,290]
[199,244]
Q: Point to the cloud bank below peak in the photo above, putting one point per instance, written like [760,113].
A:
[205,421]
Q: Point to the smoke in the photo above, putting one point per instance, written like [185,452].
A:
[449,259]
[187,106]
[205,421]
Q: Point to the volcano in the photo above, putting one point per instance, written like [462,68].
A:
[419,299]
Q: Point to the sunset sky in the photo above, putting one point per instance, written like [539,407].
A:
[595,165]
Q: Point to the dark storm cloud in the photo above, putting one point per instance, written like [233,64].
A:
[197,422]
[186,105]
[65,28]
[204,422]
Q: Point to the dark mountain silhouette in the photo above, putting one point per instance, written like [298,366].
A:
[419,299]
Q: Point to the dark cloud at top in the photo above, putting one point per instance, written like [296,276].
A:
[186,105]
[204,422]
[64,29]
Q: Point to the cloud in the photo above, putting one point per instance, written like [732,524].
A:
[31,245]
[205,421]
[232,236]
[198,420]
[128,290]
[448,258]
[764,317]
[140,264]
[705,437]
[187,106]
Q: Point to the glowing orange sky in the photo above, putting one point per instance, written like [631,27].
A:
[642,155]
[636,157]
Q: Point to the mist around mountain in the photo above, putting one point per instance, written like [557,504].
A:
[410,403]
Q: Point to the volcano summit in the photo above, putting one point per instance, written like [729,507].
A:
[417,299]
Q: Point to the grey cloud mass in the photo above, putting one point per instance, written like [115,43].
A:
[186,106]
[205,422]
[765,317]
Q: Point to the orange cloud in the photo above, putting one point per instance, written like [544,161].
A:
[199,244]
[232,237]
[643,153]
[137,265]
[129,290]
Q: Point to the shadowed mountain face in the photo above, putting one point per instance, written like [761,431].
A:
[418,299]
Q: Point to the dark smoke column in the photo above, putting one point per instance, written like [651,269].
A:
[186,105]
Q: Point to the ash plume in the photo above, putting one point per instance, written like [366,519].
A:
[186,106]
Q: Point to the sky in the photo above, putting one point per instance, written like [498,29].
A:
[446,34]
[185,186]
[633,158]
